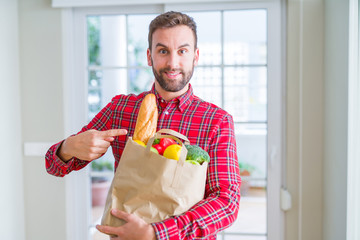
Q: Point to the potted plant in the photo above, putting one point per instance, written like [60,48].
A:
[100,181]
[246,170]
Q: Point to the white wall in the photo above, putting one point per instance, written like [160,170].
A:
[317,82]
[42,115]
[305,84]
[11,170]
[336,118]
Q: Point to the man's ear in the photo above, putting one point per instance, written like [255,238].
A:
[148,53]
[196,58]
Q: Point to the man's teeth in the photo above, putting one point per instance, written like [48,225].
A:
[173,74]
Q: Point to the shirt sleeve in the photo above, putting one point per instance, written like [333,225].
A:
[55,166]
[219,209]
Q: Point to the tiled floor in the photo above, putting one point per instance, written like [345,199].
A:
[251,218]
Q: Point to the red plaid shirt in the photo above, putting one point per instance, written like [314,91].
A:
[205,125]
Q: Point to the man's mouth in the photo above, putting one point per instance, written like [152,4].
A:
[172,74]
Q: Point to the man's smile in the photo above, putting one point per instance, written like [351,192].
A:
[172,74]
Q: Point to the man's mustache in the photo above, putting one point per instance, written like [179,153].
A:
[171,70]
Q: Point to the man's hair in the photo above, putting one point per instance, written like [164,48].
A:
[171,19]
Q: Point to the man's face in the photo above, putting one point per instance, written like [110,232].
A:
[173,57]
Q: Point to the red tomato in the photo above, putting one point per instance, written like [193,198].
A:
[159,148]
[165,142]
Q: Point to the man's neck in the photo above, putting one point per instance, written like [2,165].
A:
[168,96]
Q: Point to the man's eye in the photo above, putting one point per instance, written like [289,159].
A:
[162,51]
[182,51]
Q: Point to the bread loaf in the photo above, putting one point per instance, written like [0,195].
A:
[147,118]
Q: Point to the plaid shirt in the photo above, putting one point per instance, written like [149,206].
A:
[205,125]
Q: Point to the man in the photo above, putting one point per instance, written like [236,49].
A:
[172,54]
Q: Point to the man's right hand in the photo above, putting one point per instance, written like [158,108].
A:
[88,145]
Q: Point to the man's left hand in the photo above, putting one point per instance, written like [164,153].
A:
[134,229]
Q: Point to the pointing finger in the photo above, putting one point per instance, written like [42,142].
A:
[114,132]
[109,139]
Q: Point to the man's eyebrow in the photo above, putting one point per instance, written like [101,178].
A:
[160,45]
[163,45]
[184,45]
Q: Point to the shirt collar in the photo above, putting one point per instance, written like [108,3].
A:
[182,101]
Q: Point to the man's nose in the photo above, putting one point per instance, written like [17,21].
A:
[173,61]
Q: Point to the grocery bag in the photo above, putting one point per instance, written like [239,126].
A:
[151,186]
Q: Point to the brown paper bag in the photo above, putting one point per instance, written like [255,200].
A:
[151,186]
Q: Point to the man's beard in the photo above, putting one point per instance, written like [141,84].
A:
[172,85]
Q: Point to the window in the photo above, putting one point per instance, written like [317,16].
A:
[239,70]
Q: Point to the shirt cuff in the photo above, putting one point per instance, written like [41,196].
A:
[166,229]
[64,166]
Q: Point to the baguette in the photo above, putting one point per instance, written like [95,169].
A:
[147,118]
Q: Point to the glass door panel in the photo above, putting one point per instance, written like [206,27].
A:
[245,91]
[244,45]
[206,82]
[209,37]
[138,28]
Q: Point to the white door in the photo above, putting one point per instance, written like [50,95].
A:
[239,70]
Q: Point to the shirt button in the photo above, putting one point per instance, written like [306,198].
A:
[166,112]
